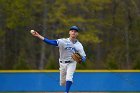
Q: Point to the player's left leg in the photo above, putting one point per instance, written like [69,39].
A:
[69,77]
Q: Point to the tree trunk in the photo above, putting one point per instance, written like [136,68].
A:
[42,58]
[127,28]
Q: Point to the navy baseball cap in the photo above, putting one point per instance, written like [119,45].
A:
[74,28]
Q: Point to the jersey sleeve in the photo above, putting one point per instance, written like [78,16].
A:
[81,51]
[51,42]
[60,42]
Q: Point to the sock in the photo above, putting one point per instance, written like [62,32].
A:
[68,85]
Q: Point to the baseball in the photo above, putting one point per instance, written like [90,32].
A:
[32,31]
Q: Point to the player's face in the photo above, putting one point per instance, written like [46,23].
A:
[73,33]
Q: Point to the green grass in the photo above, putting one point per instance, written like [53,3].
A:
[71,92]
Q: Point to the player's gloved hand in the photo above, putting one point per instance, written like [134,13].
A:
[83,59]
[77,57]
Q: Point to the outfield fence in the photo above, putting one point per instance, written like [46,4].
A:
[84,80]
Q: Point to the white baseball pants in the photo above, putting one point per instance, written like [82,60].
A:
[66,72]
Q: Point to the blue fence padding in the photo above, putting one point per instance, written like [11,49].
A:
[83,81]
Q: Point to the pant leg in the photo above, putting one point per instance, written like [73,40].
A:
[71,67]
[62,74]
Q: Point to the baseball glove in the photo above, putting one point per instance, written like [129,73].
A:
[77,57]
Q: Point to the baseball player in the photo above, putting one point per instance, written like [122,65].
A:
[67,47]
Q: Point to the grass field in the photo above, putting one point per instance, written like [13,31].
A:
[70,92]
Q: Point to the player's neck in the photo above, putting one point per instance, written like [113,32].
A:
[72,39]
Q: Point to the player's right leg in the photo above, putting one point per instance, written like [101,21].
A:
[62,74]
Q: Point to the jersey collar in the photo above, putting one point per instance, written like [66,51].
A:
[74,41]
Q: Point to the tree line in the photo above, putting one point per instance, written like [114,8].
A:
[109,32]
